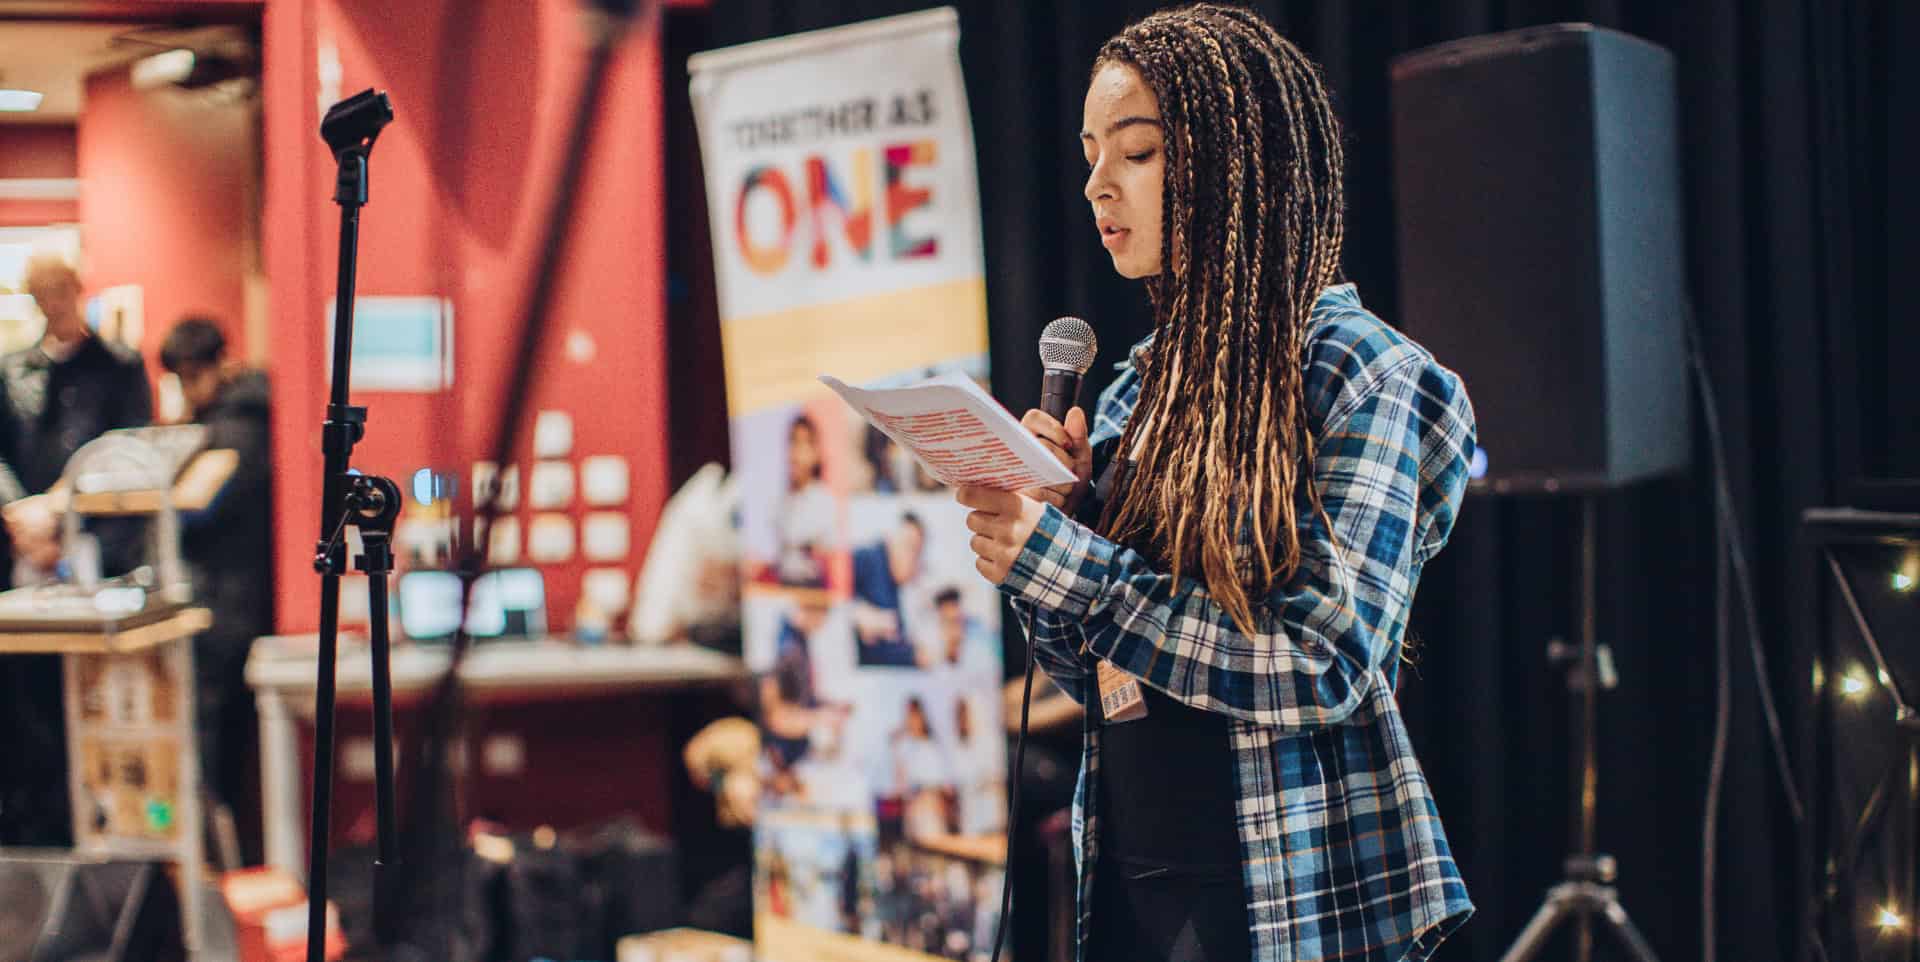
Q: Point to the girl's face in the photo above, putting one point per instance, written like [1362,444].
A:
[1125,148]
[803,455]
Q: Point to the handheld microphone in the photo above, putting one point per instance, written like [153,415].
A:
[1067,347]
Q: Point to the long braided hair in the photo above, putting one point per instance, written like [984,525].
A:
[1251,232]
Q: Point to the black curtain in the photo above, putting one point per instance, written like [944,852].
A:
[1790,143]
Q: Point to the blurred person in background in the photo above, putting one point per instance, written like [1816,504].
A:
[228,546]
[923,774]
[959,647]
[880,571]
[790,707]
[979,766]
[59,394]
[808,522]
[55,396]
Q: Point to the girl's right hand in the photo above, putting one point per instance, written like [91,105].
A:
[1068,442]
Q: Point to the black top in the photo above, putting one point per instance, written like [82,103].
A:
[53,406]
[49,407]
[1166,782]
[229,545]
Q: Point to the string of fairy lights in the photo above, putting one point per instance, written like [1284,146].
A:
[1862,687]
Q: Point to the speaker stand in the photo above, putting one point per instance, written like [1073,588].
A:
[1587,891]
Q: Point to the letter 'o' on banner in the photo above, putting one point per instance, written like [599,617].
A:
[765,258]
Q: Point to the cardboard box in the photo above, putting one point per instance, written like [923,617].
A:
[270,917]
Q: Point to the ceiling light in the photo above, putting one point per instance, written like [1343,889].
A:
[19,101]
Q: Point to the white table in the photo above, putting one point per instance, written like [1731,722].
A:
[282,672]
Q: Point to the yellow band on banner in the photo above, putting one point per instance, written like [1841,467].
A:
[791,941]
[775,358]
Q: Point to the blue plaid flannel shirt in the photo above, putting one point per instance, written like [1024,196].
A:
[1344,855]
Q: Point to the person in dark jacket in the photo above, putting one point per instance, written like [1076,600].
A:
[880,571]
[57,395]
[66,390]
[228,546]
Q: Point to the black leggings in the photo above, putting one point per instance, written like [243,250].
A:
[1144,913]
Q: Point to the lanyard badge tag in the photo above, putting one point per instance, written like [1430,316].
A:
[1120,697]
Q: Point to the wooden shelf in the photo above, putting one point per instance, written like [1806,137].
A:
[111,639]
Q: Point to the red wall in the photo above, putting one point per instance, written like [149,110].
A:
[480,92]
[34,212]
[37,151]
[165,188]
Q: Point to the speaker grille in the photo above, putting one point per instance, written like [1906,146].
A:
[1536,178]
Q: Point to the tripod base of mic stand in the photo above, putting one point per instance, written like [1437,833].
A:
[1587,894]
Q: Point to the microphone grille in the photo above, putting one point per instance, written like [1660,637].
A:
[1068,343]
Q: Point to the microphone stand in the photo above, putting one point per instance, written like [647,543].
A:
[371,504]
[365,502]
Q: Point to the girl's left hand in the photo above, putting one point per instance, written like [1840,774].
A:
[1001,523]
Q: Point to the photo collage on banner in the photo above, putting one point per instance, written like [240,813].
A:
[846,232]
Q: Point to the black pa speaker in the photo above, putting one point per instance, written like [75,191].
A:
[1538,194]
[60,908]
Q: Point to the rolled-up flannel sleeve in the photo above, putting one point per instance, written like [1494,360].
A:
[1054,639]
[1390,467]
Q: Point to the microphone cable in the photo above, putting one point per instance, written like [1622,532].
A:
[1013,779]
[1731,557]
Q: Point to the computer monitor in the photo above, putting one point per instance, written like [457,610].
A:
[510,603]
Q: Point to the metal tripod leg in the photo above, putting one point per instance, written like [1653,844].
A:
[1579,901]
[1587,891]
[1539,929]
[1616,916]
